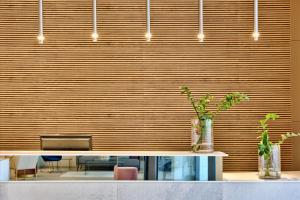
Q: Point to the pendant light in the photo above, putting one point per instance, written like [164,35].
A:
[201,33]
[148,34]
[41,37]
[255,34]
[95,33]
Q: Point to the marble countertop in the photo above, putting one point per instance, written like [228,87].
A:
[253,176]
[113,153]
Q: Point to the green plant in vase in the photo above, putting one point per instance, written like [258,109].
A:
[269,152]
[202,126]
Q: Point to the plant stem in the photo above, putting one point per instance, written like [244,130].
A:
[195,108]
[268,164]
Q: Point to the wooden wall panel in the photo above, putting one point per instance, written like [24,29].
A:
[125,91]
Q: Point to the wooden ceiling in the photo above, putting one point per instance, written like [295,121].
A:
[125,91]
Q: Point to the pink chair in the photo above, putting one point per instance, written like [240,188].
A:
[125,173]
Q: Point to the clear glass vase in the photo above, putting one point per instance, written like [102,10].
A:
[202,136]
[270,167]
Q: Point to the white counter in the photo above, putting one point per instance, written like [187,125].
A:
[113,153]
[253,176]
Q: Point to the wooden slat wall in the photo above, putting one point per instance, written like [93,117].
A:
[125,91]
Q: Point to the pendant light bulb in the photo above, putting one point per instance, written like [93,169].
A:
[255,33]
[41,37]
[148,34]
[255,36]
[148,37]
[201,35]
[95,33]
[95,36]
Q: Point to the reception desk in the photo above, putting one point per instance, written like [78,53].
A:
[149,190]
[234,185]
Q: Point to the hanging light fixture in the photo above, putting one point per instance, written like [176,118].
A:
[148,34]
[41,37]
[255,33]
[95,33]
[201,33]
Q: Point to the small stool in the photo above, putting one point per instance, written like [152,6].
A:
[125,173]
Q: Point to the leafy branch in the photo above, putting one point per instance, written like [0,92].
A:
[230,100]
[286,136]
[201,106]
[265,145]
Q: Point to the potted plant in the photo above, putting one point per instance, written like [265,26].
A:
[269,162]
[202,125]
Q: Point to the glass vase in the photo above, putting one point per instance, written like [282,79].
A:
[202,136]
[270,167]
